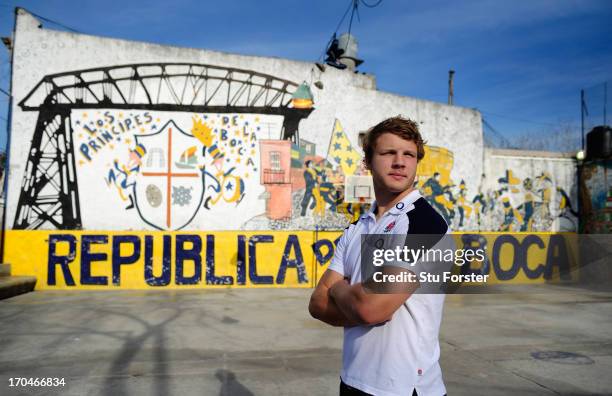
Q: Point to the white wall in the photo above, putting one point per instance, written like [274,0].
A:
[541,176]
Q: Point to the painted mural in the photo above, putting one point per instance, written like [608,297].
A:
[169,170]
[175,143]
[182,170]
[308,189]
[533,203]
[315,186]
[596,194]
[235,169]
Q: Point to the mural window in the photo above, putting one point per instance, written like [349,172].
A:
[307,147]
[275,160]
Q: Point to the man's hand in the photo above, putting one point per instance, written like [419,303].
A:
[325,309]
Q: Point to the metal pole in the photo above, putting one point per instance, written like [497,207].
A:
[582,115]
[9,130]
[450,87]
[605,103]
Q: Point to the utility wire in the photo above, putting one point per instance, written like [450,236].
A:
[351,5]
[335,31]
[499,135]
[355,5]
[517,119]
[54,22]
[371,5]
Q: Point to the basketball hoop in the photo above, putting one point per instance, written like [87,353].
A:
[358,189]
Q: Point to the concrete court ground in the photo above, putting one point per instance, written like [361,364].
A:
[263,342]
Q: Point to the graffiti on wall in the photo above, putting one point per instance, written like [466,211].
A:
[161,259]
[167,167]
[150,129]
[596,194]
[306,191]
[514,205]
[144,154]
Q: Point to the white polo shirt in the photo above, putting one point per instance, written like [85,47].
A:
[397,356]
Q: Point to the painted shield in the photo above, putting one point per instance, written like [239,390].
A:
[169,187]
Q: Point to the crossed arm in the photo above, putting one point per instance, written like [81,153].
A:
[336,302]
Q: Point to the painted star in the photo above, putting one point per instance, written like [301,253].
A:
[229,186]
[348,147]
[339,135]
[338,159]
[337,146]
[349,162]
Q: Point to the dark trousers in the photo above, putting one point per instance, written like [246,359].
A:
[347,390]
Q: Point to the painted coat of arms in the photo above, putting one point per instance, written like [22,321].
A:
[169,188]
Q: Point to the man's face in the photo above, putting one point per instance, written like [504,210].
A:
[393,163]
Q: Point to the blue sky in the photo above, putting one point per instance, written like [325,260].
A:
[521,63]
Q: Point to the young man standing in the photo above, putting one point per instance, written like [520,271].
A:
[390,340]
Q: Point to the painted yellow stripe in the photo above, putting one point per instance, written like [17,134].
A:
[118,259]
